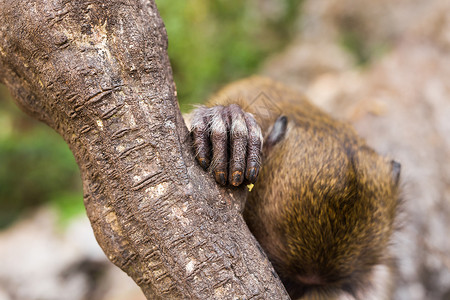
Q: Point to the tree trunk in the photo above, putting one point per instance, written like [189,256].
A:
[98,73]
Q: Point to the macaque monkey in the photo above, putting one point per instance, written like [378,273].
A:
[323,205]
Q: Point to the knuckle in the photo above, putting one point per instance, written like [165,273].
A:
[218,136]
[218,126]
[198,128]
[239,137]
[250,117]
[256,138]
[199,114]
[253,158]
[199,131]
[255,130]
[238,128]
[234,107]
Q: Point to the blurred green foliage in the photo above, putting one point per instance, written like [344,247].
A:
[211,42]
[35,164]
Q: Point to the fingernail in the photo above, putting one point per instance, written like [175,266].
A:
[236,178]
[220,178]
[252,173]
[204,162]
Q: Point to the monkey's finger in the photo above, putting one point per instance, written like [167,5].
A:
[200,133]
[238,141]
[219,140]
[254,148]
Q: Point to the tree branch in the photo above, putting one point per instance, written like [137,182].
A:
[98,73]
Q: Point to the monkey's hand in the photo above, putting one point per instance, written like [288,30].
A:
[228,141]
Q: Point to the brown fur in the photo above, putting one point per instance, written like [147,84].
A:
[324,204]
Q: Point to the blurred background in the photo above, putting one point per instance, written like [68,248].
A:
[382,65]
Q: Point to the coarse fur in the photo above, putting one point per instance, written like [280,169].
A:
[324,205]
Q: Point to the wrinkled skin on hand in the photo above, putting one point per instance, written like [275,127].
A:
[228,141]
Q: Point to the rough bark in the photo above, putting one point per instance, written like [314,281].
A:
[98,73]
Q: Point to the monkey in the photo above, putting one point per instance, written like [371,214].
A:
[323,204]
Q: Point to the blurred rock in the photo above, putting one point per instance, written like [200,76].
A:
[375,21]
[434,26]
[38,261]
[313,58]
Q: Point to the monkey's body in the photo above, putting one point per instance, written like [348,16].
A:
[324,204]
